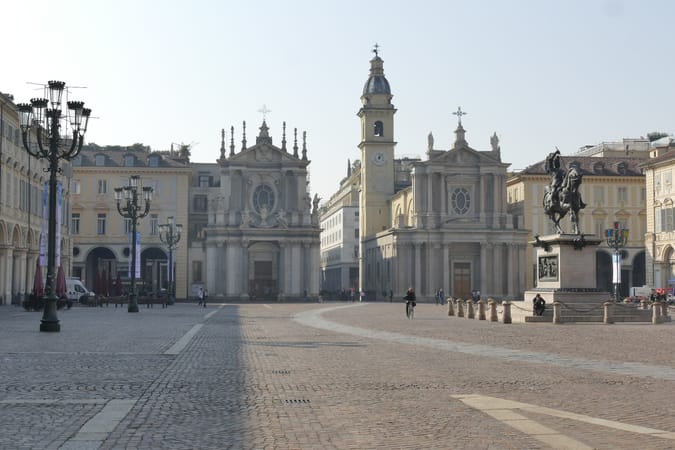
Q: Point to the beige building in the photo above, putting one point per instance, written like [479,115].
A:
[101,236]
[22,184]
[613,189]
[660,232]
[449,228]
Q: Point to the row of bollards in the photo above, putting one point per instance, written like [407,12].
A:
[461,305]
[659,310]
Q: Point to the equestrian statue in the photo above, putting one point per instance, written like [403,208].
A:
[562,195]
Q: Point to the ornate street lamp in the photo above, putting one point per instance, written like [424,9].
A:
[169,234]
[616,238]
[133,209]
[45,115]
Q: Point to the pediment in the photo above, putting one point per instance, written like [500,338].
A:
[464,156]
[262,154]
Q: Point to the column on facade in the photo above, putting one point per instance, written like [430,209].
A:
[484,269]
[9,261]
[430,199]
[280,268]
[511,258]
[483,201]
[418,267]
[243,279]
[211,275]
[295,269]
[445,267]
[496,198]
[434,268]
[444,198]
[232,264]
[498,268]
[522,268]
[22,281]
[316,269]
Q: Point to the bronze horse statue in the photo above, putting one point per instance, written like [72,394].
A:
[563,197]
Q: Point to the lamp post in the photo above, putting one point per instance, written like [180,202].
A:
[134,209]
[616,238]
[169,234]
[46,116]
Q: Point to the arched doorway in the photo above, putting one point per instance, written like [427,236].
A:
[99,270]
[603,271]
[154,263]
[639,276]
[263,270]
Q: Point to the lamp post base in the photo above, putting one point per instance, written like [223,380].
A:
[133,304]
[50,327]
[49,321]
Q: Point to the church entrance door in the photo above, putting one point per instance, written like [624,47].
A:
[263,282]
[461,280]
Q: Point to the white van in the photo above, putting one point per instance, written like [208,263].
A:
[76,291]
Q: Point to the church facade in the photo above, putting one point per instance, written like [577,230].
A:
[261,239]
[448,228]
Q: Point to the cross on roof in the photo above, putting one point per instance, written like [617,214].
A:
[376,48]
[264,111]
[459,113]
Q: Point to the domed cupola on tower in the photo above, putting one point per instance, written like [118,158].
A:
[377,83]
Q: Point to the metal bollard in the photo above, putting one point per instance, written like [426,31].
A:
[608,319]
[557,318]
[493,310]
[469,309]
[507,312]
[481,310]
[451,309]
[460,309]
[656,313]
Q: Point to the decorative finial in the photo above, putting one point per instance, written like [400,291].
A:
[304,146]
[222,142]
[231,141]
[264,111]
[375,49]
[283,137]
[459,113]
[295,142]
[243,140]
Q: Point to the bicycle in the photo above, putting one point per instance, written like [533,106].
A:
[410,310]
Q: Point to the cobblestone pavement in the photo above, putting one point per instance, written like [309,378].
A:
[331,375]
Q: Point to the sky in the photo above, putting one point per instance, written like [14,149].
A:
[539,73]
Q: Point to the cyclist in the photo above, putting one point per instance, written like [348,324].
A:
[410,303]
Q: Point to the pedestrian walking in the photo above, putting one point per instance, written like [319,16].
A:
[200,296]
[362,295]
[391,295]
[205,297]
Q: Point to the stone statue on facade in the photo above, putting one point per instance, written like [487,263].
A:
[281,219]
[315,204]
[562,195]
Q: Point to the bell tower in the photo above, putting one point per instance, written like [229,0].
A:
[377,151]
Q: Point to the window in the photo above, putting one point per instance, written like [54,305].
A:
[378,129]
[102,186]
[196,271]
[461,201]
[153,161]
[622,194]
[599,195]
[129,160]
[643,196]
[204,181]
[75,187]
[154,225]
[356,233]
[77,161]
[263,198]
[100,160]
[127,226]
[199,203]
[100,226]
[75,223]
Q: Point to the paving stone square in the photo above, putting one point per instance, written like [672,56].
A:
[329,376]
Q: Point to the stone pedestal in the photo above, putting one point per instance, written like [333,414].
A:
[566,272]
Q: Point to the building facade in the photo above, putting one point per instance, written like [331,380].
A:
[449,228]
[101,236]
[660,207]
[613,189]
[262,237]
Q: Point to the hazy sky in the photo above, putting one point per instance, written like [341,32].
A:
[539,73]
